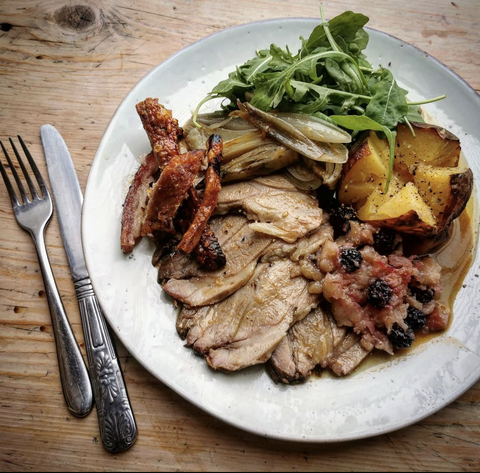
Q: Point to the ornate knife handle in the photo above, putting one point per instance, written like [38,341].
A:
[118,428]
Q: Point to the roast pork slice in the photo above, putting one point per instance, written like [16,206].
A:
[242,247]
[198,292]
[275,206]
[177,265]
[348,356]
[309,343]
[188,318]
[244,329]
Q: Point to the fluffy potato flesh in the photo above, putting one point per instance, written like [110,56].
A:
[430,145]
[402,209]
[366,170]
[445,190]
[427,190]
[371,158]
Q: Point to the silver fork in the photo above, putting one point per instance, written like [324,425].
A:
[33,213]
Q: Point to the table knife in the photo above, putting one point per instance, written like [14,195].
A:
[118,429]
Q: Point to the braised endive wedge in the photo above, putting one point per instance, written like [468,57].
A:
[302,177]
[260,161]
[315,128]
[291,136]
[223,120]
[197,138]
[310,175]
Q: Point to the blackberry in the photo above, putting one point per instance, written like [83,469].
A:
[385,241]
[400,338]
[379,294]
[351,259]
[424,296]
[341,217]
[416,319]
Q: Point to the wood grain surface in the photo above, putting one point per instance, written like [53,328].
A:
[70,63]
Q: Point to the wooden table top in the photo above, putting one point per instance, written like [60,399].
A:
[70,63]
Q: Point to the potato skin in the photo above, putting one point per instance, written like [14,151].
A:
[409,223]
[442,132]
[359,150]
[461,186]
[414,246]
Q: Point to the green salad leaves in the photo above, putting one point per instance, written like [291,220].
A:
[329,77]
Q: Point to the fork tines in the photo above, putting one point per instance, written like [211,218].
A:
[23,194]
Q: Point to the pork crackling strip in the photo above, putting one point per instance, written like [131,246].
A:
[213,186]
[162,130]
[208,252]
[170,191]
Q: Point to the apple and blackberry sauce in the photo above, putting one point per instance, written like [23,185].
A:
[374,288]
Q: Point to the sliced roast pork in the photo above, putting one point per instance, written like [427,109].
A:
[275,206]
[349,355]
[188,318]
[242,247]
[309,343]
[244,329]
[177,265]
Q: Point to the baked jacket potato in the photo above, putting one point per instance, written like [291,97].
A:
[428,189]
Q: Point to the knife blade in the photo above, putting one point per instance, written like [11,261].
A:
[68,198]
[118,428]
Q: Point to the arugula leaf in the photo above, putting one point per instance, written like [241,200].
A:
[389,103]
[270,87]
[351,69]
[232,87]
[345,26]
[322,90]
[392,140]
[337,73]
[356,122]
[311,108]
[250,69]
[414,115]
[296,90]
[324,117]
[269,90]
[280,59]
[360,43]
[407,122]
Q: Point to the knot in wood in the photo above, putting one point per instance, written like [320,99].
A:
[75,17]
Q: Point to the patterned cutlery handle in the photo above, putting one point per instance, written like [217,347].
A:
[118,428]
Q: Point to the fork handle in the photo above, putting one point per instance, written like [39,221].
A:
[76,384]
[118,428]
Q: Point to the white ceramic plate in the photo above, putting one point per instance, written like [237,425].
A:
[375,400]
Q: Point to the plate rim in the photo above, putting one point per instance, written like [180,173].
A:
[257,431]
